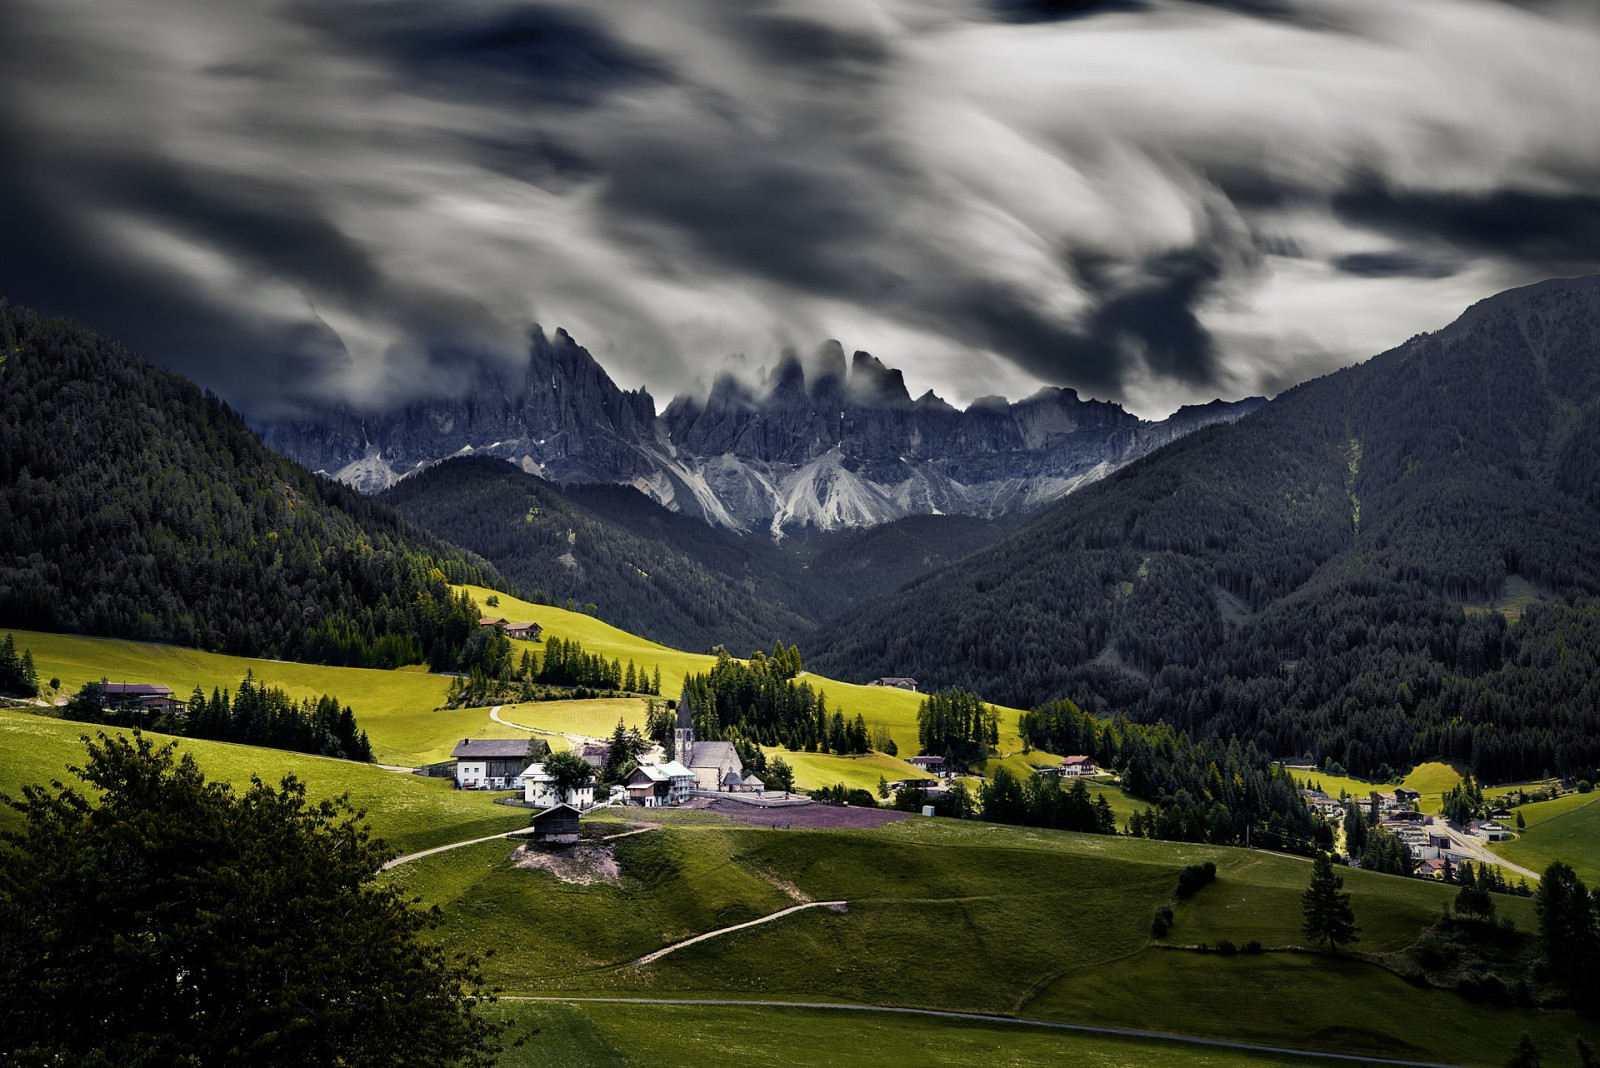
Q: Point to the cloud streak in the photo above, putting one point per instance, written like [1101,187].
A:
[1155,201]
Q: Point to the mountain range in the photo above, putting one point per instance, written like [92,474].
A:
[834,448]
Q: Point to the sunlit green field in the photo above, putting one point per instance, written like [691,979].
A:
[812,770]
[1566,829]
[398,709]
[878,705]
[595,718]
[412,812]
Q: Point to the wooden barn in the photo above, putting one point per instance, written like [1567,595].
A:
[556,826]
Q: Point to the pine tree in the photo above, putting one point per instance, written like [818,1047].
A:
[1328,915]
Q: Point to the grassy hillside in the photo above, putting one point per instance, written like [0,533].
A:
[975,917]
[396,708]
[1566,829]
[575,1035]
[893,708]
[413,813]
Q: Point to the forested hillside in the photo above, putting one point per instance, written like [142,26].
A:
[133,505]
[667,576]
[1319,578]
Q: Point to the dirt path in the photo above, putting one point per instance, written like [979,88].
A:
[658,954]
[397,861]
[989,1019]
[575,739]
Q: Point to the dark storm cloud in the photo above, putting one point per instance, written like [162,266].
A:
[521,54]
[1153,200]
[1552,234]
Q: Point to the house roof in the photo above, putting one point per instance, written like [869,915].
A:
[892,680]
[136,689]
[491,621]
[479,748]
[926,760]
[673,769]
[652,772]
[561,812]
[751,780]
[1075,761]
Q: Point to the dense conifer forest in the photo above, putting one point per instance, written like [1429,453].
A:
[133,505]
[1323,577]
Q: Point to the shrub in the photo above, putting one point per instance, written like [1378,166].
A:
[1226,947]
[1252,946]
[1195,876]
[1161,921]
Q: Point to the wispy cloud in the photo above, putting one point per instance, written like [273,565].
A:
[1156,201]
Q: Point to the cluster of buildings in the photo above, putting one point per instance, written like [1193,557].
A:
[528,632]
[518,763]
[1430,839]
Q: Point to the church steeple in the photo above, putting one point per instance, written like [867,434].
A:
[683,733]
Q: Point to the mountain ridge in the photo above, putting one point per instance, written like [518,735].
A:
[842,447]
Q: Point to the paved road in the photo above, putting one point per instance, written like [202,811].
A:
[986,1018]
[1476,848]
[658,954]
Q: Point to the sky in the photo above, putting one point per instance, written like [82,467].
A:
[1155,202]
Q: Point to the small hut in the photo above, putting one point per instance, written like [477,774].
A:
[556,826]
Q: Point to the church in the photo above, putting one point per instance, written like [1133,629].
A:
[711,762]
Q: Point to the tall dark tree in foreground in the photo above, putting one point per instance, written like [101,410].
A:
[1328,915]
[1569,930]
[170,921]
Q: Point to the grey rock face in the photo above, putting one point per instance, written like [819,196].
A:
[830,449]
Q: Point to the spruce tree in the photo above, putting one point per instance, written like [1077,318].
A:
[1328,915]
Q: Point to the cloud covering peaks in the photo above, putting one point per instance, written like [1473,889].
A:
[1152,201]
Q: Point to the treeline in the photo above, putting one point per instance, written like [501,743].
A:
[1309,578]
[132,505]
[17,673]
[1041,802]
[253,715]
[958,726]
[1205,791]
[487,672]
[759,704]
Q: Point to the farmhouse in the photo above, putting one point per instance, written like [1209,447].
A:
[897,683]
[1074,766]
[934,764]
[494,763]
[1407,795]
[659,785]
[528,632]
[1433,869]
[491,621]
[593,754]
[1491,830]
[556,826]
[539,788]
[152,696]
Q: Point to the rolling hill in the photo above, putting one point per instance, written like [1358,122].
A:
[1323,576]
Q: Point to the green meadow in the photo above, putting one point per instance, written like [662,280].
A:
[598,1035]
[411,812]
[1566,829]
[969,917]
[399,709]
[884,706]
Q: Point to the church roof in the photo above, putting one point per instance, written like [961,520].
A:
[731,777]
[715,755]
